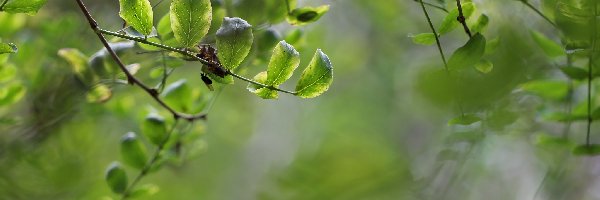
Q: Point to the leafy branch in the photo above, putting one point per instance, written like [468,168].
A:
[130,78]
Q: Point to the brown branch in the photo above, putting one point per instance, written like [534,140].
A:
[462,19]
[130,78]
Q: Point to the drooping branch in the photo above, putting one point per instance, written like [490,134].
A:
[130,78]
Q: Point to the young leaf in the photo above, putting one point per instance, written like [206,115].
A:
[116,178]
[133,152]
[575,72]
[484,66]
[234,40]
[481,23]
[8,48]
[450,22]
[154,128]
[550,47]
[306,15]
[552,142]
[467,119]
[284,61]
[262,92]
[138,14]
[23,6]
[549,89]
[587,150]
[316,78]
[424,38]
[144,191]
[469,137]
[469,54]
[190,20]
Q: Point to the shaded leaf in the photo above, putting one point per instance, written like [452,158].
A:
[11,94]
[154,128]
[262,92]
[138,14]
[144,191]
[133,152]
[469,54]
[190,20]
[480,25]
[306,15]
[467,119]
[575,72]
[178,95]
[316,78]
[116,178]
[469,137]
[234,40]
[552,142]
[550,47]
[587,150]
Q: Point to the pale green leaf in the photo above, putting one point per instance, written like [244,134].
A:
[316,78]
[549,89]
[284,61]
[190,20]
[100,93]
[144,191]
[7,72]
[450,23]
[306,15]
[178,95]
[234,40]
[424,38]
[11,94]
[138,14]
[484,66]
[551,48]
[480,25]
[262,92]
[23,6]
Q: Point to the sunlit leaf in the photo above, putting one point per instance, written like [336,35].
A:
[316,78]
[469,54]
[450,23]
[549,89]
[7,72]
[424,38]
[154,128]
[133,152]
[587,150]
[484,66]
[480,25]
[306,15]
[190,20]
[262,92]
[116,177]
[552,142]
[234,40]
[8,48]
[144,191]
[550,47]
[466,119]
[284,61]
[138,14]
[99,93]
[23,6]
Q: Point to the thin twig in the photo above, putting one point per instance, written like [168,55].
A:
[434,6]
[130,78]
[151,163]
[538,12]
[437,39]
[462,19]
[2,6]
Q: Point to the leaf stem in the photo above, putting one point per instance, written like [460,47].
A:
[260,84]
[437,39]
[2,6]
[590,76]
[462,19]
[130,78]
[434,6]
[150,164]
[538,12]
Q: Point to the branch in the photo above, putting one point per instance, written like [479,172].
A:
[437,39]
[188,54]
[538,12]
[434,6]
[461,18]
[130,78]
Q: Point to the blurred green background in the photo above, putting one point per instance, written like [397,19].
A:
[380,132]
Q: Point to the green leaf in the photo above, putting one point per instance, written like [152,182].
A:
[284,61]
[154,128]
[552,142]
[166,33]
[306,15]
[549,89]
[138,14]
[100,93]
[550,47]
[8,48]
[7,72]
[467,119]
[78,62]
[587,150]
[575,72]
[228,79]
[133,152]
[178,95]
[11,94]
[262,92]
[316,78]
[480,25]
[116,178]
[469,54]
[144,191]
[484,66]
[596,114]
[23,6]
[234,40]
[450,22]
[424,38]
[190,20]
[491,46]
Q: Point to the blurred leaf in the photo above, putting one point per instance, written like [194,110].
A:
[596,113]
[268,40]
[7,72]
[552,142]
[466,119]
[11,94]
[480,25]
[470,137]
[548,89]
[116,178]
[178,95]
[575,73]
[294,37]
[234,40]
[484,66]
[316,78]
[306,15]
[587,150]
[262,92]
[491,46]
[190,20]
[100,93]
[166,33]
[144,191]
[550,47]
[23,6]
[424,38]
[450,23]
[154,128]
[469,54]
[284,61]
[133,152]
[8,48]
[138,14]
[447,155]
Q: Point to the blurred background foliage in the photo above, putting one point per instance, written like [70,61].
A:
[380,132]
